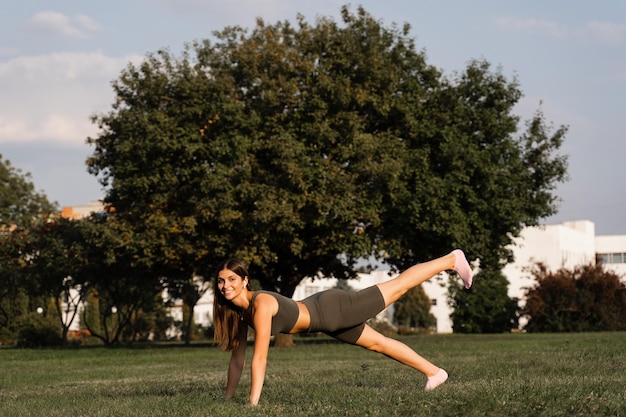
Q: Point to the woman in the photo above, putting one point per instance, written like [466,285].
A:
[338,313]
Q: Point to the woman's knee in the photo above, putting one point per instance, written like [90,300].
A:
[372,340]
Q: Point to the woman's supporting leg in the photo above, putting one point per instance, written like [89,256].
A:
[372,340]
[393,289]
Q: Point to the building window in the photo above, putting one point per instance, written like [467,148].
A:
[433,301]
[612,258]
[310,290]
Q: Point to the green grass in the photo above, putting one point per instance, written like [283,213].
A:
[490,375]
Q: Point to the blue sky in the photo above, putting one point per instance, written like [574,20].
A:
[57,60]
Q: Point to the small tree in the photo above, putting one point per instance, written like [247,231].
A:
[20,204]
[486,307]
[587,298]
[91,313]
[190,291]
[56,257]
[413,310]
[120,274]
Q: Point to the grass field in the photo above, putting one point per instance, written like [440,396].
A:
[490,375]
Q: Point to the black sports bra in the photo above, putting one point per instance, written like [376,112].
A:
[287,314]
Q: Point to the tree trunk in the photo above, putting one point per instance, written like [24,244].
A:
[189,325]
[282,340]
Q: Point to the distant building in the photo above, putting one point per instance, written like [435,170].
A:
[611,252]
[79,212]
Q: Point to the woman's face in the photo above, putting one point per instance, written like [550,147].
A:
[230,284]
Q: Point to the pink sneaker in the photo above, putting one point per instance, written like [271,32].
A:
[436,380]
[462,267]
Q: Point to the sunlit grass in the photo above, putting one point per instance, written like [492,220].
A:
[490,375]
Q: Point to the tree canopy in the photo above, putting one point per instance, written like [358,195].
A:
[302,148]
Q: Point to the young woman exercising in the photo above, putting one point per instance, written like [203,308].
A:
[338,313]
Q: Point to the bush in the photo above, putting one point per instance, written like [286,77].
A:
[587,298]
[37,331]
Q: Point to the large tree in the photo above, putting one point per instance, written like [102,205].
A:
[303,148]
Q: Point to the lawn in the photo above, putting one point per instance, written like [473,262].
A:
[490,375]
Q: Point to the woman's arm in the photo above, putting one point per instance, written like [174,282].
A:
[265,307]
[237,362]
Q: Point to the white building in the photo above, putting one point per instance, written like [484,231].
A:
[79,212]
[564,245]
[611,250]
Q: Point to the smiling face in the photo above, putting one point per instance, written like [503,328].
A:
[230,284]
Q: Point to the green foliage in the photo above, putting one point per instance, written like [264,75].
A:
[413,310]
[56,259]
[301,149]
[37,330]
[15,281]
[91,313]
[13,306]
[190,291]
[20,204]
[485,308]
[587,298]
[144,326]
[119,275]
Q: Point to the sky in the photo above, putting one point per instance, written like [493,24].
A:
[58,59]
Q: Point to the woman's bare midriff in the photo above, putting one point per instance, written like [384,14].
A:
[304,320]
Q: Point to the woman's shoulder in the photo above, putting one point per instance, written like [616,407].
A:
[267,295]
[267,302]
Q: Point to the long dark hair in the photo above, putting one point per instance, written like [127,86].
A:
[226,316]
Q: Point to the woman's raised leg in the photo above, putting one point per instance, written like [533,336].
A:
[393,289]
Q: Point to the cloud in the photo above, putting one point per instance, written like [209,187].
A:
[234,7]
[87,23]
[603,32]
[220,14]
[51,97]
[57,23]
[534,26]
[595,31]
